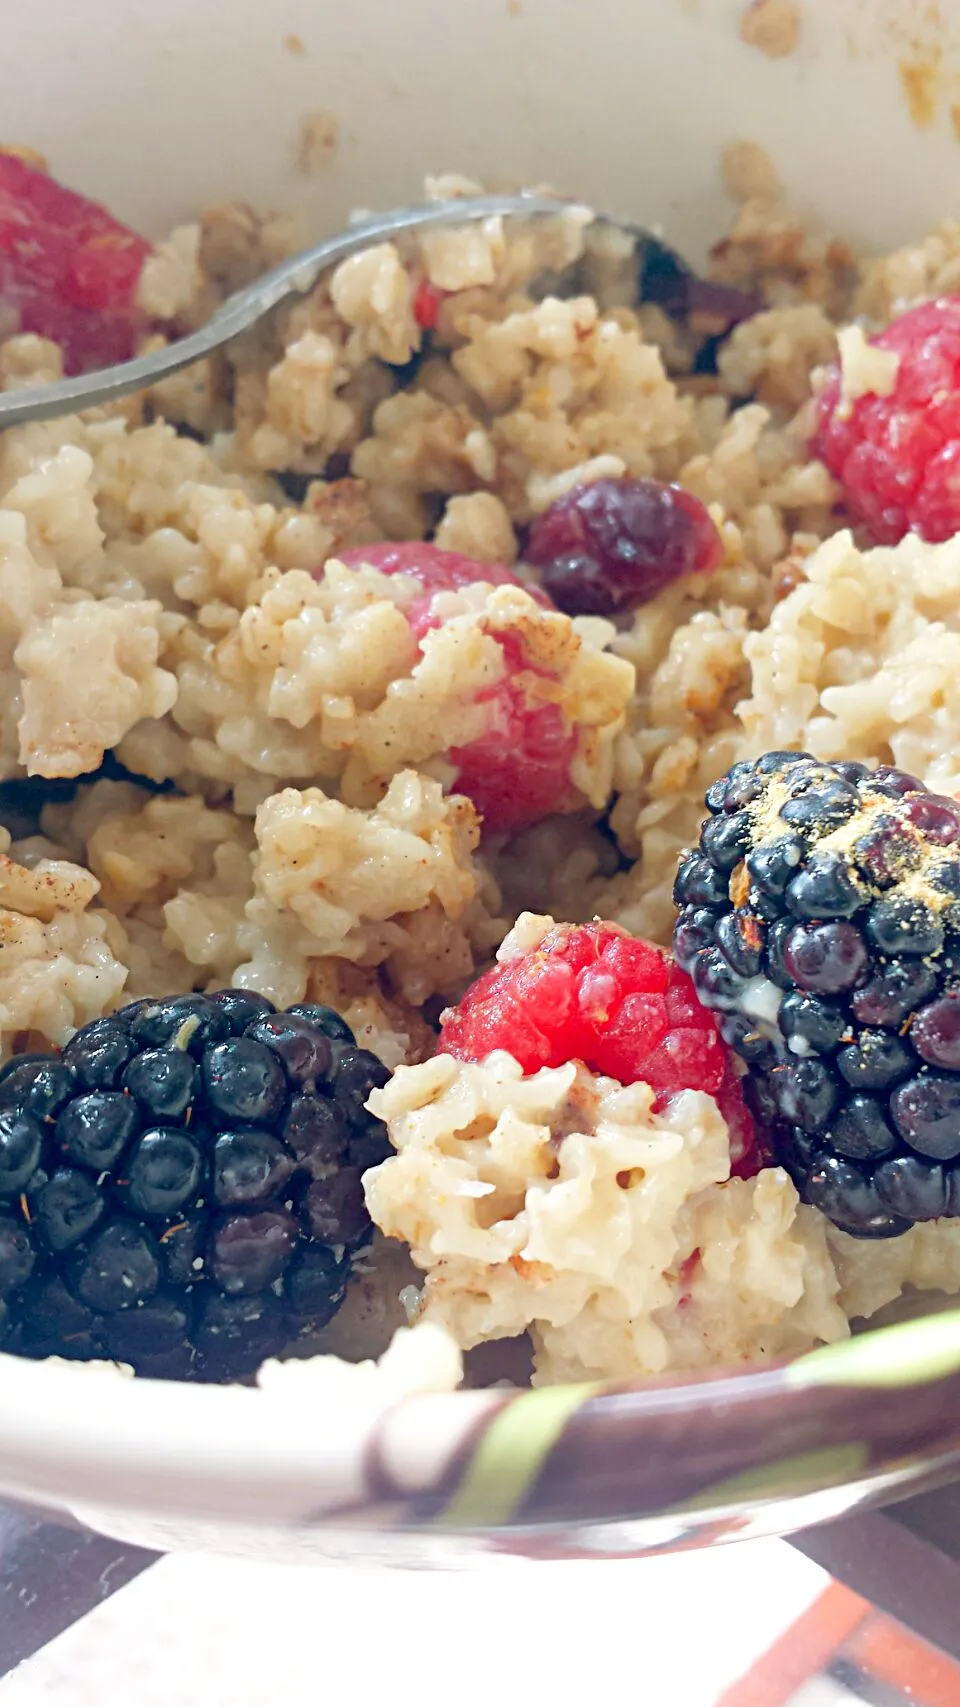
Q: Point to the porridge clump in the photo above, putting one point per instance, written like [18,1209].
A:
[337,664]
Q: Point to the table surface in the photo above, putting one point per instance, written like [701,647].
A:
[82,1616]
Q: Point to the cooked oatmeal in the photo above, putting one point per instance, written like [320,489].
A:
[189,589]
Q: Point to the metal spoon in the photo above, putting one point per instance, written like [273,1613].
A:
[662,277]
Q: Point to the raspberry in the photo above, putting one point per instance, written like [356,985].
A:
[614,544]
[426,304]
[897,458]
[821,917]
[518,771]
[623,1007]
[180,1188]
[68,269]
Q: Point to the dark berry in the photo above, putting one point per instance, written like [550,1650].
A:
[936,817]
[725,840]
[813,1021]
[249,1166]
[316,1281]
[98,1054]
[357,1074]
[233,1331]
[316,1130]
[774,963]
[825,958]
[927,1113]
[325,1020]
[118,1268]
[94,1130]
[910,1187]
[886,779]
[614,544]
[852,770]
[903,926]
[853,1058]
[17,1256]
[862,1130]
[694,932]
[806,1093]
[242,1007]
[336,1210]
[305,1052]
[198,1209]
[158,1326]
[887,852]
[876,1061]
[250,1249]
[935,1032]
[55,1321]
[244,1081]
[183,1022]
[164,1172]
[700,884]
[750,1044]
[740,940]
[824,890]
[21,1146]
[36,1085]
[163,1081]
[894,992]
[715,981]
[847,1196]
[67,1208]
[819,806]
[774,863]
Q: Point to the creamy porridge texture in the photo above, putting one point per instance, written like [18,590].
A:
[353,677]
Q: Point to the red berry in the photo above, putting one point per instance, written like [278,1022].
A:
[623,1007]
[897,458]
[614,544]
[518,771]
[426,304]
[68,269]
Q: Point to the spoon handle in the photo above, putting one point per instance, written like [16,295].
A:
[239,312]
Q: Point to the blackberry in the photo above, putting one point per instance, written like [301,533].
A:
[831,947]
[181,1187]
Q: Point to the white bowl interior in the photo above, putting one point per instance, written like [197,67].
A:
[159,109]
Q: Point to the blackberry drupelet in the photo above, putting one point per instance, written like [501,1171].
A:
[180,1189]
[821,916]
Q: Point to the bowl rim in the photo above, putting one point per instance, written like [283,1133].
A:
[82,1438]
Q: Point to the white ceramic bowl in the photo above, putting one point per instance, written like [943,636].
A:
[159,108]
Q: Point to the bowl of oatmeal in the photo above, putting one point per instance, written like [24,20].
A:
[479,884]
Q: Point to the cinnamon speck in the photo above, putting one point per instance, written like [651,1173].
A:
[772,27]
[317,143]
[295,46]
[920,80]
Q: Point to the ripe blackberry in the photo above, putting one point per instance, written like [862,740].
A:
[844,885]
[180,1189]
[623,1007]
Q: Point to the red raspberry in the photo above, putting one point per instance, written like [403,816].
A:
[426,304]
[897,458]
[611,545]
[68,269]
[623,1007]
[518,771]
